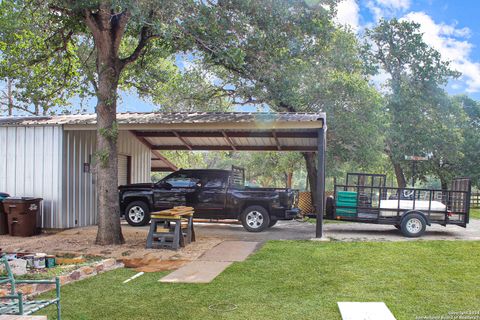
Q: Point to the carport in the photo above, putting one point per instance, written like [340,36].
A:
[211,131]
[235,132]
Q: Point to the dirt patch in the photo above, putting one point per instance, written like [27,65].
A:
[152,264]
[81,241]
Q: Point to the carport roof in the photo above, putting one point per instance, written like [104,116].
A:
[234,131]
[127,118]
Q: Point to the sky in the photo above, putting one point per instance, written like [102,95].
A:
[451,27]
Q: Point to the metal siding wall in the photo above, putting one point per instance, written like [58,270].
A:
[3,161]
[122,169]
[57,167]
[79,193]
[10,158]
[128,144]
[30,167]
[80,202]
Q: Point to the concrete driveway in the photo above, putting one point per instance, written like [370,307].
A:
[342,231]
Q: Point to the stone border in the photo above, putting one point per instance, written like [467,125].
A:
[81,273]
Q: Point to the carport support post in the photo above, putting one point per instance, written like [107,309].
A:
[320,207]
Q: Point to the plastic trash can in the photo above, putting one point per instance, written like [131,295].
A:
[3,216]
[22,215]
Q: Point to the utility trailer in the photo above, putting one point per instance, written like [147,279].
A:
[365,198]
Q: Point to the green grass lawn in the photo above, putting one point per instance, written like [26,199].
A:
[475,213]
[296,280]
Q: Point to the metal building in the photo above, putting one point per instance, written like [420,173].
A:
[54,162]
[51,157]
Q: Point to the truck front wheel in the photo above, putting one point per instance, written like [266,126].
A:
[137,213]
[255,218]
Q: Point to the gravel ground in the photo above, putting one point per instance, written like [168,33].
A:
[342,231]
[81,240]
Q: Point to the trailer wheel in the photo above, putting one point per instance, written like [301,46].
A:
[413,225]
[255,218]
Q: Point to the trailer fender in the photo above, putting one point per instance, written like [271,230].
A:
[417,212]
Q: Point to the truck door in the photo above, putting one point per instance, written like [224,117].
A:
[211,195]
[183,184]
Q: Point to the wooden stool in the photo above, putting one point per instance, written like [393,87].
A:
[187,228]
[167,237]
[171,236]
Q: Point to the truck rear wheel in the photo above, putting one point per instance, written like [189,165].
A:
[413,225]
[255,218]
[137,213]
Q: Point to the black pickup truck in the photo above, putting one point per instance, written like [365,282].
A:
[215,194]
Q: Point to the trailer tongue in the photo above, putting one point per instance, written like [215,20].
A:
[365,198]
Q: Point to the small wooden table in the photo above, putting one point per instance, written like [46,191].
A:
[163,234]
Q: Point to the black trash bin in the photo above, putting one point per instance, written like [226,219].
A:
[3,216]
[22,215]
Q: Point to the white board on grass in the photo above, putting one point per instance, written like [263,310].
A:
[365,311]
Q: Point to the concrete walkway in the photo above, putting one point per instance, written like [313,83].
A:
[212,263]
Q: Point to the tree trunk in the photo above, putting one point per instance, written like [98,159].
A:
[443,182]
[289,179]
[311,174]
[37,109]
[10,96]
[107,30]
[109,228]
[399,174]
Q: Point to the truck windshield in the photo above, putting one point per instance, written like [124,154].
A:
[190,179]
[182,180]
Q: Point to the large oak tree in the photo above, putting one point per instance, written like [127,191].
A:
[416,72]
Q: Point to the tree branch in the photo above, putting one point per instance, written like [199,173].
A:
[25,109]
[60,10]
[121,20]
[145,37]
[91,23]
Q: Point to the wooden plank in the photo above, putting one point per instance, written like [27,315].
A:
[166,217]
[168,212]
[196,272]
